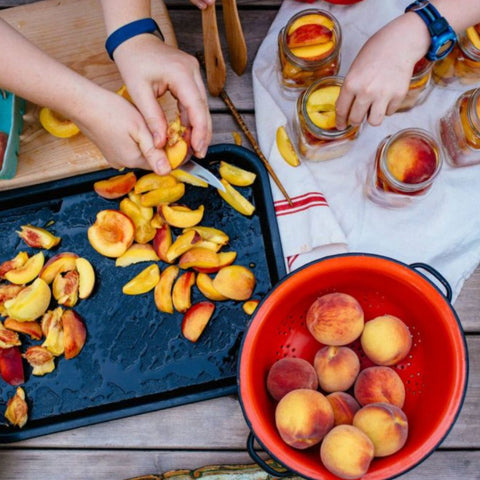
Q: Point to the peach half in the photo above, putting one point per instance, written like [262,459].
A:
[303,417]
[321,106]
[177,148]
[309,34]
[115,187]
[290,373]
[28,271]
[38,237]
[344,407]
[235,199]
[196,319]
[311,18]
[31,303]
[112,233]
[235,282]
[235,175]
[335,319]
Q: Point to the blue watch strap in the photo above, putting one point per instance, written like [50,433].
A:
[132,29]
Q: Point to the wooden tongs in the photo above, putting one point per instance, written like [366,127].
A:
[237,48]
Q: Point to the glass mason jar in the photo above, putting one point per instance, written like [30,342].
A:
[301,64]
[420,85]
[460,130]
[318,139]
[463,62]
[406,164]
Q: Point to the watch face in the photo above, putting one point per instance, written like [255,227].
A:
[418,5]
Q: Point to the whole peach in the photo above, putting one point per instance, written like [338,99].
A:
[303,417]
[379,384]
[289,374]
[336,367]
[386,425]
[386,340]
[347,452]
[335,319]
[344,407]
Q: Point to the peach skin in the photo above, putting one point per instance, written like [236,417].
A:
[344,407]
[336,367]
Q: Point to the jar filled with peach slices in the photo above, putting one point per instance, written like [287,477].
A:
[460,130]
[420,85]
[462,64]
[309,48]
[405,166]
[314,124]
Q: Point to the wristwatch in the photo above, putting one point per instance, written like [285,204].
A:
[442,36]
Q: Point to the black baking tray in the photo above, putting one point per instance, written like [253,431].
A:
[135,359]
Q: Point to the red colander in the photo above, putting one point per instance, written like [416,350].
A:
[434,373]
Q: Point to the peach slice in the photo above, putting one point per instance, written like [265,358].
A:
[32,329]
[144,231]
[309,34]
[235,199]
[214,247]
[235,282]
[52,328]
[7,292]
[196,319]
[250,306]
[163,289]
[112,233]
[153,181]
[41,359]
[145,281]
[137,253]
[11,366]
[38,237]
[210,234]
[27,272]
[181,216]
[160,196]
[65,288]
[56,124]
[157,221]
[177,148]
[31,303]
[205,285]
[17,409]
[162,241]
[16,262]
[206,260]
[321,106]
[181,293]
[235,175]
[8,338]
[286,148]
[86,277]
[59,263]
[146,212]
[314,52]
[182,244]
[312,18]
[186,177]
[115,187]
[75,333]
[237,138]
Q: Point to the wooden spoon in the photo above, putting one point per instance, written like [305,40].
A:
[237,47]
[214,62]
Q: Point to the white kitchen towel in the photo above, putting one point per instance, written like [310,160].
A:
[331,213]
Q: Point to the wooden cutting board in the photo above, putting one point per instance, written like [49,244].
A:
[73,32]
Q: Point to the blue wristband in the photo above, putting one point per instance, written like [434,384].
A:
[137,27]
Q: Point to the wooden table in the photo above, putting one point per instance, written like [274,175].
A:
[214,431]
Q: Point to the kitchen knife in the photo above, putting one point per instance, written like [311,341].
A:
[198,171]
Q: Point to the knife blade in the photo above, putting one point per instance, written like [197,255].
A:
[202,173]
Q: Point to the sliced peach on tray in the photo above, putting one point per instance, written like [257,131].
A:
[286,148]
[181,216]
[163,289]
[75,333]
[38,237]
[182,291]
[145,281]
[177,148]
[235,199]
[65,288]
[137,253]
[144,231]
[153,181]
[32,329]
[11,366]
[211,234]
[59,263]
[17,409]
[182,244]
[204,259]
[250,306]
[205,285]
[235,175]
[56,124]
[16,262]
[31,303]
[224,259]
[157,221]
[112,233]
[115,187]
[7,292]
[52,329]
[312,18]
[215,247]
[27,272]
[145,212]
[8,338]
[41,359]
[160,196]
[86,277]
[162,241]
[196,319]
[235,281]
[309,34]
[186,177]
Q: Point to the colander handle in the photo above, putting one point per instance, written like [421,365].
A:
[438,276]
[264,465]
